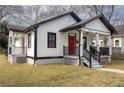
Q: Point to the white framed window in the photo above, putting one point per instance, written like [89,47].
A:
[117,43]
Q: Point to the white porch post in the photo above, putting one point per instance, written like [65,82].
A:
[8,45]
[80,46]
[13,45]
[97,41]
[81,43]
[110,47]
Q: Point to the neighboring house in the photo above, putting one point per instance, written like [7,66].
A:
[118,40]
[62,39]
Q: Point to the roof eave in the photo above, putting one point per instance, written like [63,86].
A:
[69,29]
[107,24]
[16,30]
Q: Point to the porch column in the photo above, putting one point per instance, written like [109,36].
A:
[80,46]
[23,48]
[97,41]
[13,45]
[81,43]
[8,45]
[110,47]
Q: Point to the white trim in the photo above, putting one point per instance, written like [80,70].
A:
[81,43]
[110,45]
[93,31]
[120,41]
[97,41]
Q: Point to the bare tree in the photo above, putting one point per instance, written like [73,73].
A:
[35,13]
[6,11]
[107,10]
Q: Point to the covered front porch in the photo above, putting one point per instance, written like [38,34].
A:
[88,42]
[17,50]
[91,43]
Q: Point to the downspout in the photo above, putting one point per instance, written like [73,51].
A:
[35,45]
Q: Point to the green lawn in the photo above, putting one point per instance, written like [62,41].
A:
[55,75]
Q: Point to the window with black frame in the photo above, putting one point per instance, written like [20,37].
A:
[51,40]
[29,40]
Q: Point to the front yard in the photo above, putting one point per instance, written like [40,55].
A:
[55,75]
[116,64]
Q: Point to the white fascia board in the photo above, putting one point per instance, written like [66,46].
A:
[95,31]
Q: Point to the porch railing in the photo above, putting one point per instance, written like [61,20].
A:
[20,50]
[104,50]
[87,54]
[70,51]
[95,53]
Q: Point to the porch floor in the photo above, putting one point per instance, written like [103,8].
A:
[71,56]
[19,55]
[102,56]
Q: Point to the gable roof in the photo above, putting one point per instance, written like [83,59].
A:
[79,23]
[120,29]
[42,22]
[83,23]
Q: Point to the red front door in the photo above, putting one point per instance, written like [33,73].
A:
[72,41]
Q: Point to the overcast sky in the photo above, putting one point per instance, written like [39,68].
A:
[119,12]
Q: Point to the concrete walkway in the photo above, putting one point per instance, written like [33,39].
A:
[112,70]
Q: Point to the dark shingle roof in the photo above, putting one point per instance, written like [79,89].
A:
[120,29]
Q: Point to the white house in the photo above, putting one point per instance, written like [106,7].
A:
[118,39]
[62,39]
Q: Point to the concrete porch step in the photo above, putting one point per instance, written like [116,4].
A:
[95,63]
[97,66]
